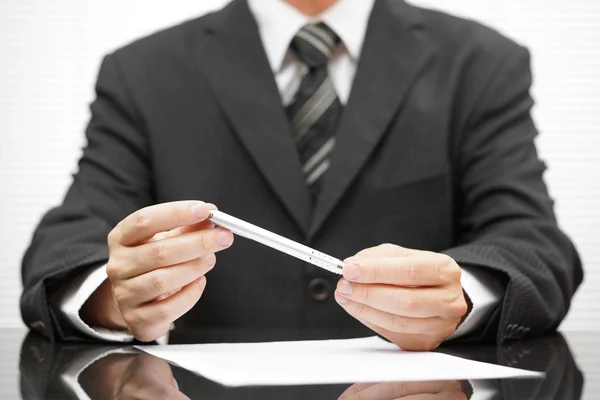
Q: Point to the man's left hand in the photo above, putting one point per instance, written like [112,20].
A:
[413,298]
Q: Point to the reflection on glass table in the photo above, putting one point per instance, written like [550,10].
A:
[71,371]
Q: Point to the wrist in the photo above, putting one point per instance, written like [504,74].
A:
[101,309]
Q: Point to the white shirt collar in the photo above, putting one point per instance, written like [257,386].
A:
[278,23]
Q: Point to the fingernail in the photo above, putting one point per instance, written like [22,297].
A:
[201,281]
[199,210]
[341,299]
[351,271]
[225,238]
[345,287]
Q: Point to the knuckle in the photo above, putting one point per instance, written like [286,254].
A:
[369,251]
[112,270]
[412,303]
[142,222]
[401,389]
[409,274]
[362,253]
[175,215]
[143,319]
[163,391]
[374,272]
[454,272]
[160,254]
[400,323]
[458,308]
[157,283]
[359,310]
[161,315]
[132,317]
[448,268]
[366,293]
[202,243]
[113,237]
[386,246]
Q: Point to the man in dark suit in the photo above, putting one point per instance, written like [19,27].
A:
[366,127]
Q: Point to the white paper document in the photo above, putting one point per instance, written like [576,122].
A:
[324,362]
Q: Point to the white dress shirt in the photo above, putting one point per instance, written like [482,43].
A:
[278,22]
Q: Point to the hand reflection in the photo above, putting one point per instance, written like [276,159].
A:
[442,390]
[131,376]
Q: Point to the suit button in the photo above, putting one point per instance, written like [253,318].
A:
[319,289]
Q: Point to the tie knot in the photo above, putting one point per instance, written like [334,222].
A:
[314,44]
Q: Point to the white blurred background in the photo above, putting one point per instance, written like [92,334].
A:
[50,53]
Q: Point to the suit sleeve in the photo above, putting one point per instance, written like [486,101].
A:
[113,180]
[506,223]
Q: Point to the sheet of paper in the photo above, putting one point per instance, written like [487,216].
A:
[323,362]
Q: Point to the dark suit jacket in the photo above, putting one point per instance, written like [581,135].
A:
[435,151]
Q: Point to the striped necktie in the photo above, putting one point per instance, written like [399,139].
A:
[315,111]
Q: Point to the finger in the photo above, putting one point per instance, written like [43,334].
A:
[422,302]
[171,251]
[145,223]
[150,392]
[453,395]
[206,224]
[386,250]
[406,341]
[153,320]
[423,269]
[162,281]
[354,389]
[420,269]
[392,322]
[398,390]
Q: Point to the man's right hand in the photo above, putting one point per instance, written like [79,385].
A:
[158,257]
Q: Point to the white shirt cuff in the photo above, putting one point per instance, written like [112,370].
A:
[483,390]
[74,296]
[485,293]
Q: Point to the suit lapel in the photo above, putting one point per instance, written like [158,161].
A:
[234,62]
[393,54]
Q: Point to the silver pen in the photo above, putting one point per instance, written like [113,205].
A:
[277,242]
